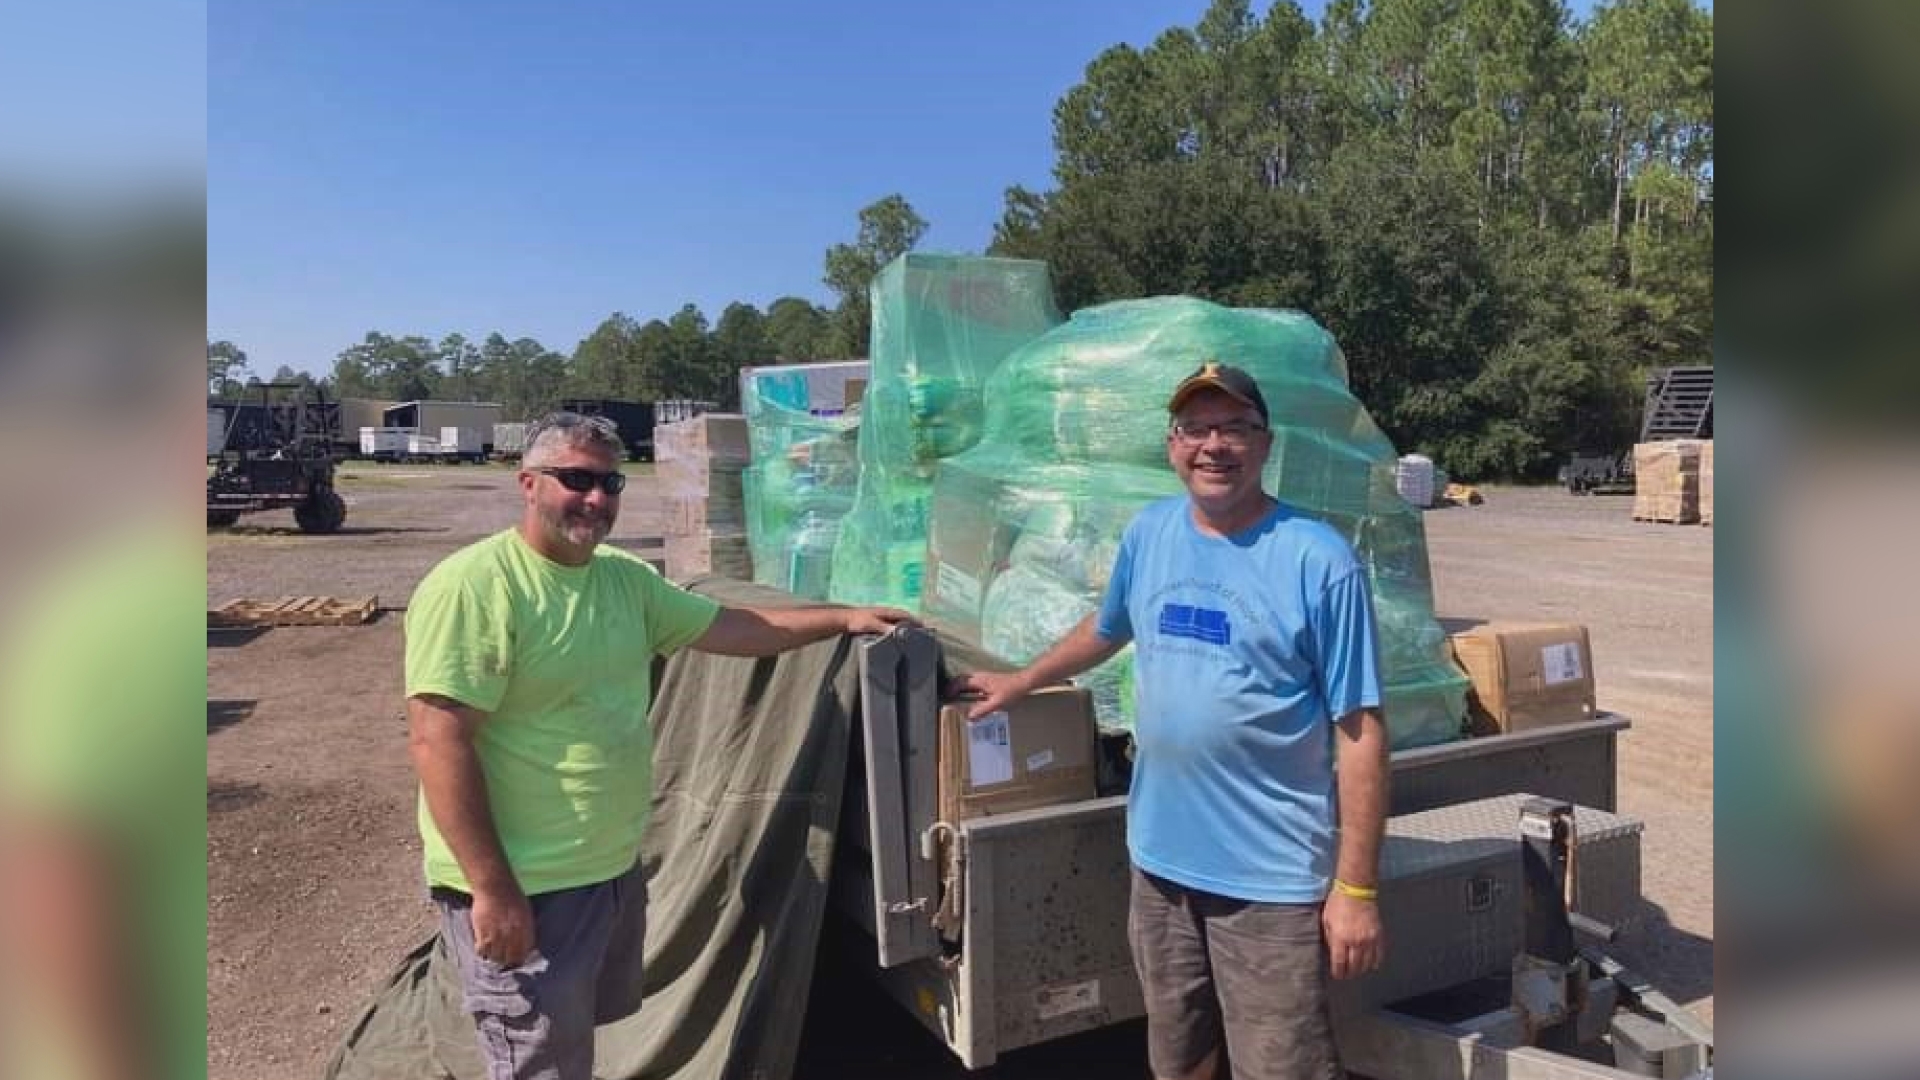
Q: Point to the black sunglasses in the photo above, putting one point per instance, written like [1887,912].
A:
[585,480]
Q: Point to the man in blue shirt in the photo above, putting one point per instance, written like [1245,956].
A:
[1256,669]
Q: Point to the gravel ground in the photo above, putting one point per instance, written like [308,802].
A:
[312,861]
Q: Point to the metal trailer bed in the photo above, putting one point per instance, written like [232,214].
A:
[1040,896]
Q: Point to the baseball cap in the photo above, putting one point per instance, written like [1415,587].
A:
[1225,378]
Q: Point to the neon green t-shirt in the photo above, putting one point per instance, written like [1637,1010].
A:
[560,658]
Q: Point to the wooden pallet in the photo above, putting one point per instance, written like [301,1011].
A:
[294,611]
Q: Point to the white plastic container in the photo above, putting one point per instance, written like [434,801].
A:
[1413,478]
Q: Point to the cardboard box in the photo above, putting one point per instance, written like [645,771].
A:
[1038,753]
[1706,482]
[967,546]
[709,439]
[1526,675]
[682,515]
[1666,481]
[700,554]
[693,479]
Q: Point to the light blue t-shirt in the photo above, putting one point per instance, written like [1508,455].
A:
[1248,648]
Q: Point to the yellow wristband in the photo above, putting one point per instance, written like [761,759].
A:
[1355,891]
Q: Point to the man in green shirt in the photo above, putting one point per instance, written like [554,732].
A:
[528,681]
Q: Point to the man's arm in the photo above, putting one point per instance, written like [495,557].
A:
[1082,649]
[1355,940]
[743,631]
[440,735]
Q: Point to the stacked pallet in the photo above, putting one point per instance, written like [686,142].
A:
[698,466]
[1666,479]
[1706,482]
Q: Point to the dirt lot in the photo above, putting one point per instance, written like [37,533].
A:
[312,862]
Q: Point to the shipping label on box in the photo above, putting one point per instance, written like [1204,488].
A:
[1526,675]
[1039,752]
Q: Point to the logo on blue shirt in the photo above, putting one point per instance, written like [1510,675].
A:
[1198,623]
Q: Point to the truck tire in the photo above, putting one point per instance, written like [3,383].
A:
[222,519]
[323,512]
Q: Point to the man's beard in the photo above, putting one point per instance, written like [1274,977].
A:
[582,528]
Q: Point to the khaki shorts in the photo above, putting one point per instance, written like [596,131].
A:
[1217,971]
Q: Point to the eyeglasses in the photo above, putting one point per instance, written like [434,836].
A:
[1233,432]
[582,481]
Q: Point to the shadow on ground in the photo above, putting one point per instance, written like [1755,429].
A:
[225,714]
[1679,963]
[224,795]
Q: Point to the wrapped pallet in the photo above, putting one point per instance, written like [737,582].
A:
[803,423]
[941,325]
[1666,481]
[698,466]
[1026,524]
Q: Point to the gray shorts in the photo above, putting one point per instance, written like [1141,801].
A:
[1217,971]
[536,1021]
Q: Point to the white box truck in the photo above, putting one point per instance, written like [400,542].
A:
[463,442]
[384,443]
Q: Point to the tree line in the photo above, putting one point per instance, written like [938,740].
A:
[1504,216]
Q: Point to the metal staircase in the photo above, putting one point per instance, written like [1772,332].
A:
[1679,404]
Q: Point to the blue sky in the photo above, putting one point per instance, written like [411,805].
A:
[429,167]
[101,99]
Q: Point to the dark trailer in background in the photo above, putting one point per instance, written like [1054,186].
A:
[633,418]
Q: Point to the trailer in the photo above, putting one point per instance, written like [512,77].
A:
[509,440]
[634,421]
[674,410]
[1006,931]
[1598,474]
[356,414]
[421,448]
[432,417]
[807,782]
[465,442]
[385,443]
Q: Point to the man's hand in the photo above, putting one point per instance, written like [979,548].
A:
[1081,650]
[1356,942]
[745,631]
[503,930]
[877,620]
[991,691]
